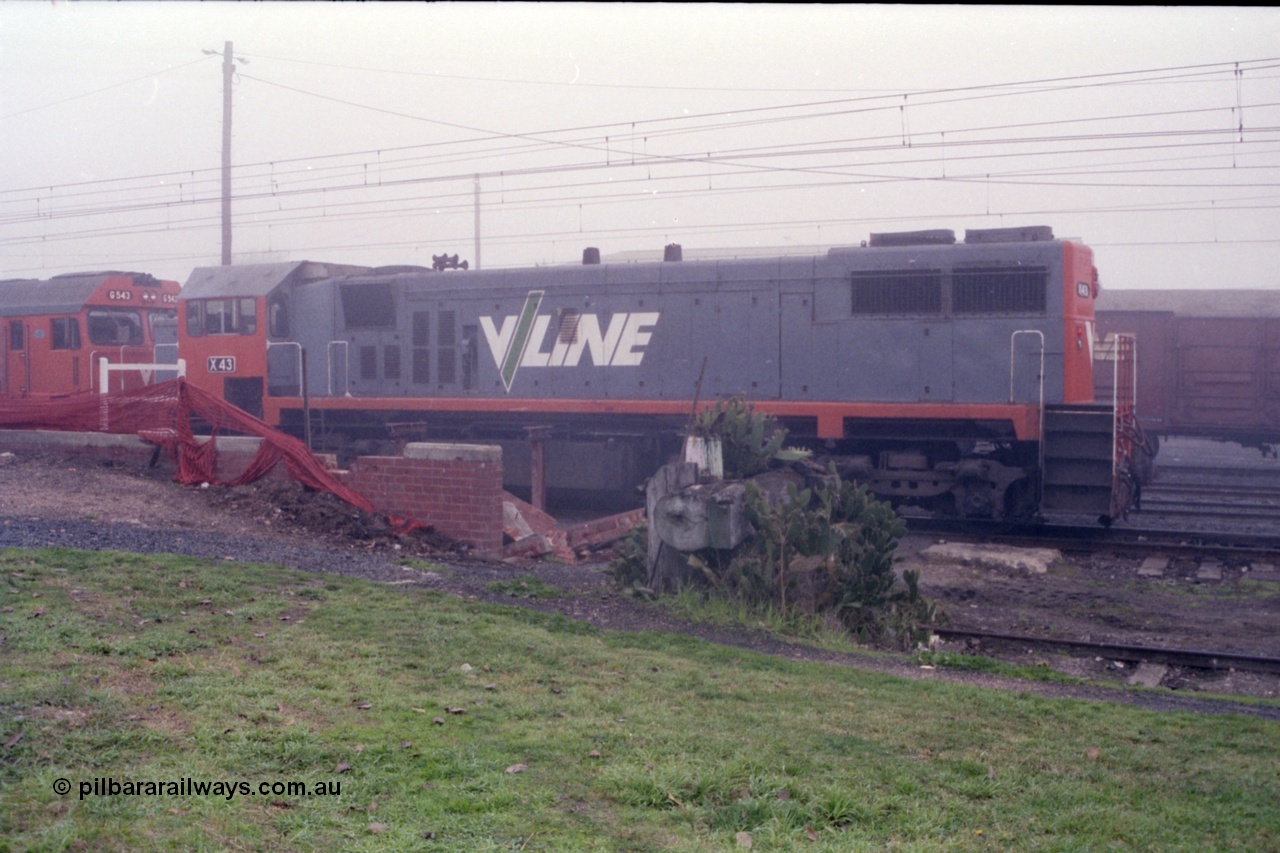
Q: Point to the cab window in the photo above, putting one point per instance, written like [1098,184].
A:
[278,317]
[164,326]
[115,327]
[64,333]
[222,317]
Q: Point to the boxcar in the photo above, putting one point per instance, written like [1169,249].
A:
[1208,361]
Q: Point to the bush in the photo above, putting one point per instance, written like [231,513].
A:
[630,565]
[825,548]
[749,439]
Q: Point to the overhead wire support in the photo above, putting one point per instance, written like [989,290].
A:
[228,71]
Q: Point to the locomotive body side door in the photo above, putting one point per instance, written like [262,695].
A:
[54,345]
[15,347]
[19,347]
[367,346]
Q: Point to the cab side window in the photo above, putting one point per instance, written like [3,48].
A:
[222,317]
[195,318]
[278,317]
[64,333]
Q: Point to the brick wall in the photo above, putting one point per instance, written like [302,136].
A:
[457,488]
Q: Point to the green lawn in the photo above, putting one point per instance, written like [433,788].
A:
[452,725]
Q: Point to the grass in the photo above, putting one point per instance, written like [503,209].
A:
[979,663]
[143,669]
[530,587]
[823,631]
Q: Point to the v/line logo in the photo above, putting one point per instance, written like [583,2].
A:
[521,341]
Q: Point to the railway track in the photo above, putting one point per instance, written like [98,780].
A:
[1181,594]
[1128,653]
[1228,494]
[1130,538]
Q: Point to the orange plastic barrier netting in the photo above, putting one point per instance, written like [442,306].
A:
[161,414]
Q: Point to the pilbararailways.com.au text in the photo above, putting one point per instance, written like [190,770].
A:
[109,786]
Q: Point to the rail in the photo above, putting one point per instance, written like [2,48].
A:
[1197,658]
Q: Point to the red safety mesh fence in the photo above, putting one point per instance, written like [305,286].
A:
[161,414]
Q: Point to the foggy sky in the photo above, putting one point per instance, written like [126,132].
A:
[362,131]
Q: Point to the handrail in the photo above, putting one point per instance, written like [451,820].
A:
[1040,418]
[105,367]
[1123,407]
[346,366]
[271,344]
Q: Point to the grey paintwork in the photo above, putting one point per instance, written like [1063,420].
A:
[65,294]
[256,279]
[779,329]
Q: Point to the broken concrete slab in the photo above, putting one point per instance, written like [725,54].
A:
[546,536]
[513,523]
[603,531]
[1149,675]
[998,557]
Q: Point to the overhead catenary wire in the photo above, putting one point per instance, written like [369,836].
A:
[813,164]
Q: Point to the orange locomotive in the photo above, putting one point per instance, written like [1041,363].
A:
[56,331]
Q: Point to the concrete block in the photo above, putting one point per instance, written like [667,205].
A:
[1209,570]
[998,557]
[1263,572]
[1149,675]
[1153,567]
[453,452]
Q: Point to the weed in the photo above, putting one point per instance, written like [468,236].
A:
[530,587]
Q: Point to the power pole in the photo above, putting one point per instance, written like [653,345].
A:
[227,69]
[476,186]
[226,154]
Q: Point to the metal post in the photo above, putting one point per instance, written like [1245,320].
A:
[476,261]
[538,436]
[306,400]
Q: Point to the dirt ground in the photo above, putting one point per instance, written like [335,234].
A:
[1086,597]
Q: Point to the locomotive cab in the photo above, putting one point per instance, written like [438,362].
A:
[237,328]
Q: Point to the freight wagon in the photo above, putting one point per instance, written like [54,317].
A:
[1208,361]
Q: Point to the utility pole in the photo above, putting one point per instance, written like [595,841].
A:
[476,197]
[227,68]
[226,154]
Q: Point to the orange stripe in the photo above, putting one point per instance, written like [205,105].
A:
[1025,418]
